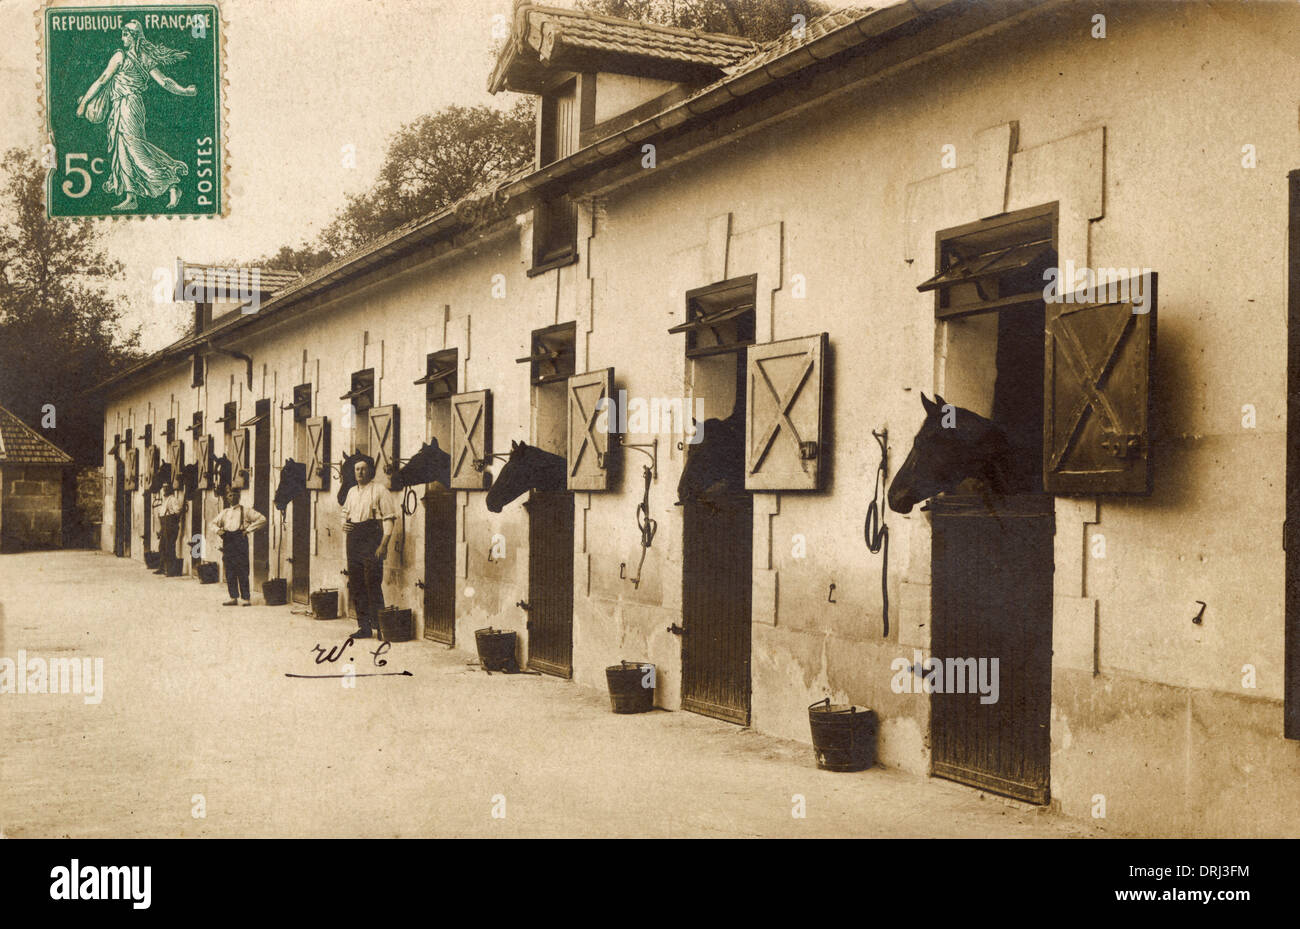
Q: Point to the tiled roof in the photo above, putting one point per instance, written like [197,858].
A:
[21,444]
[789,41]
[268,280]
[587,30]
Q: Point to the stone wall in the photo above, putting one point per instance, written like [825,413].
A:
[32,500]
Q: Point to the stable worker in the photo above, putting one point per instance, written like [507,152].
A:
[233,524]
[170,504]
[369,516]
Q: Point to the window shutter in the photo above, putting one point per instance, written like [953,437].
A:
[383,442]
[1097,395]
[318,468]
[783,422]
[131,480]
[588,446]
[152,462]
[239,459]
[176,457]
[204,461]
[471,438]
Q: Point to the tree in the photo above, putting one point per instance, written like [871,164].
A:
[760,20]
[60,331]
[430,164]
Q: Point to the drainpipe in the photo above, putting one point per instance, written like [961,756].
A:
[246,359]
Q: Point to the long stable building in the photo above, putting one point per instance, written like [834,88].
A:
[798,239]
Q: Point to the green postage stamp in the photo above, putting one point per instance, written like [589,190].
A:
[133,110]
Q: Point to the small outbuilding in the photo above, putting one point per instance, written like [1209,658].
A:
[31,487]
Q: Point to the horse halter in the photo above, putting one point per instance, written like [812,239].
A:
[874,532]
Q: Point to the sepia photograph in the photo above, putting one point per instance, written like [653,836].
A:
[650,419]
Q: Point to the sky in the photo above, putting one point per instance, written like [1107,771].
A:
[305,78]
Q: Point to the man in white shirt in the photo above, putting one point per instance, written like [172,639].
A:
[369,516]
[170,506]
[233,524]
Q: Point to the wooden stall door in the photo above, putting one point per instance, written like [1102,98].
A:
[440,566]
[262,492]
[550,582]
[992,598]
[717,584]
[300,558]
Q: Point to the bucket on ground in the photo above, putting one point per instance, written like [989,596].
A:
[209,572]
[395,625]
[496,649]
[844,737]
[275,591]
[325,603]
[631,686]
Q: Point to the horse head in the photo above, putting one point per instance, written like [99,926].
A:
[162,476]
[952,445]
[293,481]
[221,470]
[348,479]
[716,464]
[188,479]
[427,466]
[528,468]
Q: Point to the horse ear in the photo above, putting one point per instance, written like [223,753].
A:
[939,402]
[930,405]
[513,445]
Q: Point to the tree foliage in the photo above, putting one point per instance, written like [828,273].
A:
[760,20]
[61,332]
[430,164]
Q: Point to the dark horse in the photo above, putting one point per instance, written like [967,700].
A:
[528,468]
[954,445]
[221,469]
[293,481]
[427,466]
[715,465]
[348,479]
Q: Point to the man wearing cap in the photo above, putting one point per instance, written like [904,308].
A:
[369,516]
[170,505]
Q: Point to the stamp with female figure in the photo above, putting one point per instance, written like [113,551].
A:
[133,110]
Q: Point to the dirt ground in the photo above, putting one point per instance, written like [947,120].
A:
[198,717]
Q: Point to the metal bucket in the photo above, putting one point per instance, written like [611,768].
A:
[395,625]
[496,649]
[631,686]
[275,591]
[209,572]
[325,603]
[844,737]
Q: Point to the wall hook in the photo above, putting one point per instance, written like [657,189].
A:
[830,595]
[622,570]
[1200,614]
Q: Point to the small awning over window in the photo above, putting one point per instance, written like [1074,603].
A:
[975,268]
[254,421]
[438,375]
[362,391]
[708,320]
[297,404]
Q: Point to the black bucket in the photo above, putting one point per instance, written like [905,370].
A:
[152,560]
[631,686]
[496,649]
[844,737]
[395,625]
[275,591]
[325,603]
[209,572]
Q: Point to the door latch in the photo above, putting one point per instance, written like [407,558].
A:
[676,629]
[807,451]
[523,605]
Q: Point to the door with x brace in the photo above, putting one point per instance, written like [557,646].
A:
[783,421]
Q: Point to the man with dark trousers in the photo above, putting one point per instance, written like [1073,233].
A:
[368,520]
[233,524]
[170,506]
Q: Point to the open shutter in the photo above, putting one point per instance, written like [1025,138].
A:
[588,445]
[318,456]
[383,442]
[131,478]
[783,421]
[471,438]
[204,462]
[152,462]
[176,457]
[1097,394]
[239,459]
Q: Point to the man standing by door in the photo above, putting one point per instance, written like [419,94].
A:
[368,520]
[233,524]
[170,505]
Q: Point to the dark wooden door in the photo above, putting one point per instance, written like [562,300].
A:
[300,559]
[1291,523]
[992,598]
[122,508]
[717,581]
[440,566]
[147,530]
[550,582]
[262,491]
